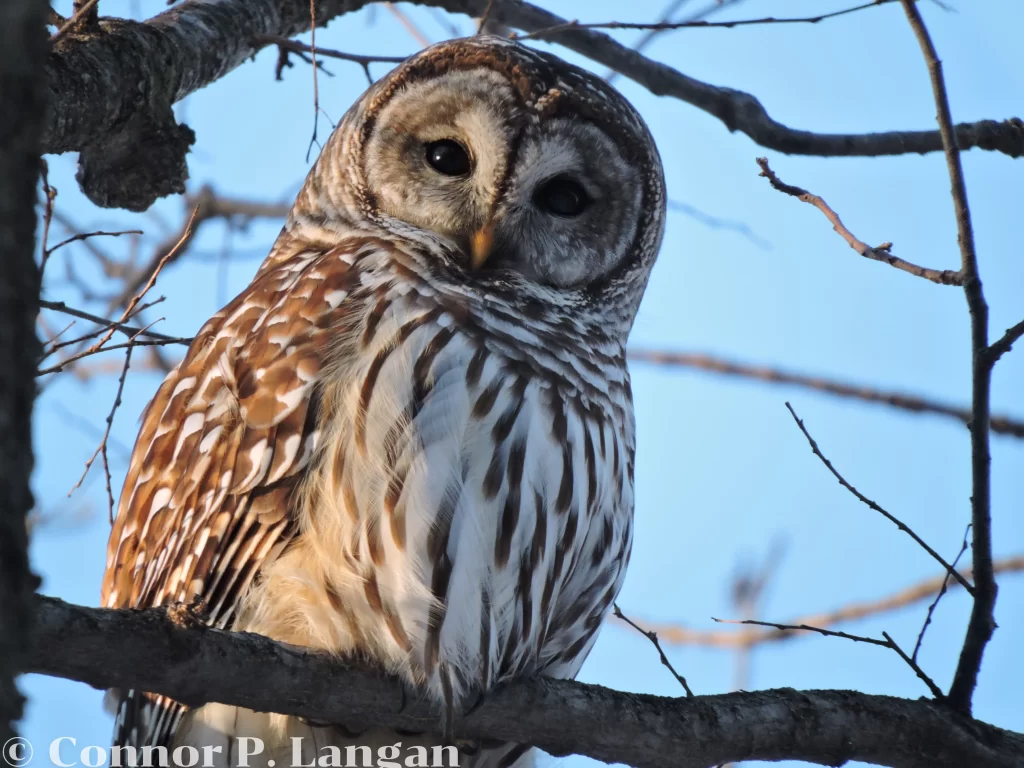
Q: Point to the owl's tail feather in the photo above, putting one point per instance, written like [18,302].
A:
[231,737]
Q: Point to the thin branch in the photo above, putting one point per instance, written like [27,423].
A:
[1004,425]
[887,642]
[129,330]
[938,597]
[148,650]
[675,634]
[892,518]
[805,628]
[982,623]
[87,235]
[49,196]
[297,46]
[205,205]
[101,449]
[912,663]
[415,32]
[881,253]
[653,637]
[92,14]
[485,18]
[106,432]
[999,348]
[665,26]
[83,12]
[71,360]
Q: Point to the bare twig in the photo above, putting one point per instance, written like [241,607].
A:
[130,330]
[316,83]
[87,235]
[664,26]
[999,348]
[676,634]
[881,253]
[133,342]
[101,449]
[982,623]
[938,597]
[887,642]
[653,637]
[49,195]
[106,432]
[1001,424]
[205,205]
[892,518]
[91,14]
[285,44]
[415,32]
[131,309]
[912,663]
[485,17]
[804,628]
[80,15]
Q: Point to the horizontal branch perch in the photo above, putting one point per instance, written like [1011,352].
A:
[169,653]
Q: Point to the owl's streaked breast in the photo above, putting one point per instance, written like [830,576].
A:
[468,515]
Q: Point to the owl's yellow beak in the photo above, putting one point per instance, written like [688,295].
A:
[480,245]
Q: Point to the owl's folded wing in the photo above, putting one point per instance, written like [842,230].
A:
[208,498]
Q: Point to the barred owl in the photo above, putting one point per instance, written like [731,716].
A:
[411,437]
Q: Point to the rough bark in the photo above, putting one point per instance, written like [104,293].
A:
[175,655]
[22,41]
[112,88]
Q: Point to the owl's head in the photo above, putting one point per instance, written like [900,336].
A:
[525,163]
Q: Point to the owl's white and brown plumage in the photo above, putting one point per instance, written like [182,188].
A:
[412,437]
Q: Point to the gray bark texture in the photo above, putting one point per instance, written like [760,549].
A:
[22,50]
[111,90]
[173,654]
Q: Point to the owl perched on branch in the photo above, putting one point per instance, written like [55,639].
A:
[411,438]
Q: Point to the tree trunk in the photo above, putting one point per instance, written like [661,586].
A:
[22,55]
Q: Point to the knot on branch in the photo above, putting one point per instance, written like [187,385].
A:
[142,162]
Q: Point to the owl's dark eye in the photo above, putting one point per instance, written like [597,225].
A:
[449,157]
[563,197]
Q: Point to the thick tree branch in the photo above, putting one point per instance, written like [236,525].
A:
[111,89]
[22,41]
[153,651]
[738,110]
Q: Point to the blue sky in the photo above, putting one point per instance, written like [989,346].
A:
[722,471]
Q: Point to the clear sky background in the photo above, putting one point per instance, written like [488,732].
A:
[722,470]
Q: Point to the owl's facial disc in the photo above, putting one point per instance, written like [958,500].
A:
[439,151]
[552,199]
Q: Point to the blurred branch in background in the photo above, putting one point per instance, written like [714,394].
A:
[1003,425]
[679,634]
